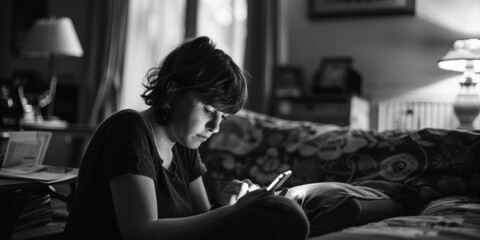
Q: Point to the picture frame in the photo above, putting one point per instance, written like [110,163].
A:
[333,75]
[288,81]
[340,8]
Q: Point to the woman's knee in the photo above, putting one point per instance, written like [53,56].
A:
[280,213]
[273,217]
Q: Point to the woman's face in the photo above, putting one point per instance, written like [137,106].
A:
[193,122]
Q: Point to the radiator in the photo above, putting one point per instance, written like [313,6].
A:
[416,115]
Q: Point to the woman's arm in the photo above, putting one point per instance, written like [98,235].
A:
[136,210]
[199,196]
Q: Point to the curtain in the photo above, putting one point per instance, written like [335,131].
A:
[154,29]
[111,34]
[260,54]
[224,21]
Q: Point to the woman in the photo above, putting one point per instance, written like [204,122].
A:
[141,175]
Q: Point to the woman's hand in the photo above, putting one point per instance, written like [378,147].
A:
[252,197]
[234,191]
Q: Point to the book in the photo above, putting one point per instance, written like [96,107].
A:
[40,231]
[26,147]
[23,209]
[24,157]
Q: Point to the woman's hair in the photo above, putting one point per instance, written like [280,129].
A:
[197,66]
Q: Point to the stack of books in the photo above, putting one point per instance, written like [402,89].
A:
[27,213]
[24,211]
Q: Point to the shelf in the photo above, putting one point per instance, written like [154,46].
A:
[338,109]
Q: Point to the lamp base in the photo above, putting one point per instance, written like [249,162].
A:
[46,122]
[466,108]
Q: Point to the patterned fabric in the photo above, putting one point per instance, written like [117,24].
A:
[435,162]
[449,218]
[454,205]
[378,231]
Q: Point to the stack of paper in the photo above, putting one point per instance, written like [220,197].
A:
[23,210]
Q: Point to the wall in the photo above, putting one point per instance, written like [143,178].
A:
[396,55]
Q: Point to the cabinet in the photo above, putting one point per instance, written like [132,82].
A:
[338,109]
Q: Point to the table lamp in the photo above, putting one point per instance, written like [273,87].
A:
[464,56]
[50,38]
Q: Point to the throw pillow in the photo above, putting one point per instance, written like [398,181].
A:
[332,206]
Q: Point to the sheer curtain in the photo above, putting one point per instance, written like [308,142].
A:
[225,22]
[246,30]
[106,60]
[154,28]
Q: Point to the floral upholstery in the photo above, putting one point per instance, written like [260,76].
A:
[436,162]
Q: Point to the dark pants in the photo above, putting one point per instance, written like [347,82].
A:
[273,217]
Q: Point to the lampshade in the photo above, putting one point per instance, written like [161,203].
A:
[464,54]
[52,36]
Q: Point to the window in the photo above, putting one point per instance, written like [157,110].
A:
[225,22]
[154,29]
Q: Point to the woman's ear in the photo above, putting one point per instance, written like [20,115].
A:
[172,88]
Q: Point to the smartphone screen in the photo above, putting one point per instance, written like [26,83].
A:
[279,181]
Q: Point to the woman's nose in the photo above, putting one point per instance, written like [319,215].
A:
[214,124]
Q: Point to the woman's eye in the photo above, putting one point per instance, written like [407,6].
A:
[207,111]
[212,112]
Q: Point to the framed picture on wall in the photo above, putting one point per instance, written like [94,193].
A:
[288,81]
[333,75]
[341,8]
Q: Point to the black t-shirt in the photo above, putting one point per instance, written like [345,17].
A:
[124,144]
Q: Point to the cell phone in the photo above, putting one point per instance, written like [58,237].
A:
[279,181]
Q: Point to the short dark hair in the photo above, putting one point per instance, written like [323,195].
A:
[198,66]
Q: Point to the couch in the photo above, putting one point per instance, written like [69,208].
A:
[356,183]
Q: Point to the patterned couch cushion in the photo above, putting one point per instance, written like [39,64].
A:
[435,162]
[454,206]
[452,217]
[408,228]
[258,147]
